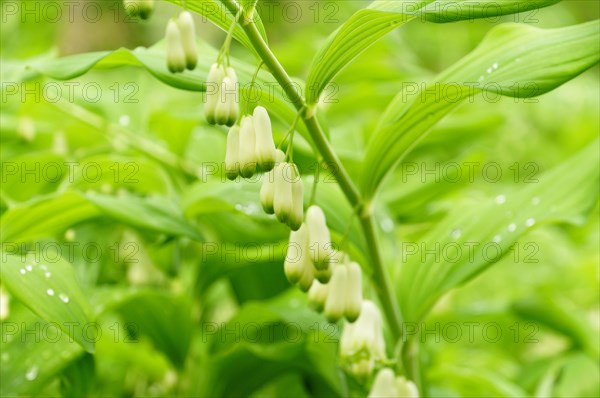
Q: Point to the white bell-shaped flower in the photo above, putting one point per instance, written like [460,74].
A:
[364,338]
[336,299]
[297,214]
[308,276]
[320,239]
[323,275]
[247,147]
[175,51]
[384,385]
[267,190]
[354,297]
[213,87]
[265,146]
[406,388]
[187,29]
[282,200]
[232,154]
[317,295]
[232,96]
[297,259]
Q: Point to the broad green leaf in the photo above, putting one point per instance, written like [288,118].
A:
[44,217]
[78,378]
[368,25]
[30,362]
[51,290]
[273,338]
[513,60]
[154,61]
[166,319]
[475,236]
[153,213]
[563,317]
[452,11]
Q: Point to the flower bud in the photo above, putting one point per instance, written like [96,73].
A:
[320,240]
[406,388]
[336,300]
[296,257]
[308,277]
[232,154]
[384,385]
[175,52]
[265,147]
[323,275]
[187,29]
[222,111]
[354,292]
[267,191]
[282,199]
[141,8]
[317,295]
[297,215]
[213,87]
[247,147]
[231,95]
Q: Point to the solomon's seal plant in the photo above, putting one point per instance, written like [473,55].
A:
[273,235]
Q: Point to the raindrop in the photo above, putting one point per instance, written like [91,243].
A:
[481,78]
[239,207]
[512,227]
[456,233]
[535,201]
[5,357]
[31,373]
[124,120]
[500,199]
[497,239]
[50,292]
[47,274]
[530,222]
[29,268]
[64,297]
[495,66]
[22,271]
[387,225]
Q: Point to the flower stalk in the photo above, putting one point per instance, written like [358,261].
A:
[308,115]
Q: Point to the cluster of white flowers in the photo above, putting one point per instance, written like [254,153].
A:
[387,385]
[139,8]
[333,281]
[182,53]
[222,99]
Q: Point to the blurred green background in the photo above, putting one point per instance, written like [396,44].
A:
[162,291]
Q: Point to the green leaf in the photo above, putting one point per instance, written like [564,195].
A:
[367,26]
[476,235]
[164,318]
[30,363]
[453,11]
[78,378]
[154,213]
[49,289]
[44,217]
[269,339]
[563,317]
[513,60]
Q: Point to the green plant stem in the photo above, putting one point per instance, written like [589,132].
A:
[380,278]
